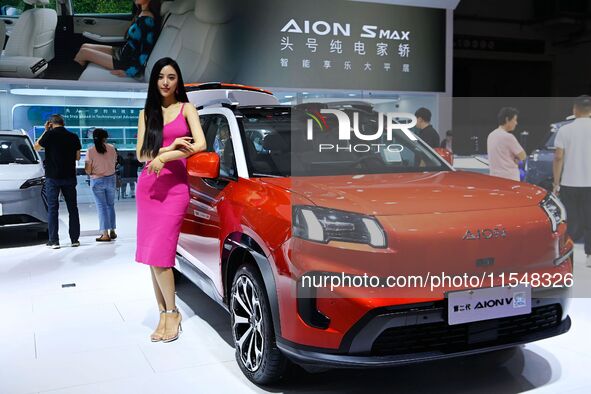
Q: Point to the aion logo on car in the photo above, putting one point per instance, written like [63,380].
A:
[345,128]
[486,233]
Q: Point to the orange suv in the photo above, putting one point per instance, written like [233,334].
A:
[361,252]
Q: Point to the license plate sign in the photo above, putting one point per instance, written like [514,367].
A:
[488,303]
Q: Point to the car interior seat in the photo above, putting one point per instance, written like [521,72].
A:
[31,43]
[195,33]
[227,167]
[174,15]
[165,9]
[261,161]
[205,46]
[279,147]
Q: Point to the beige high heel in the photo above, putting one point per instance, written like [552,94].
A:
[176,328]
[158,333]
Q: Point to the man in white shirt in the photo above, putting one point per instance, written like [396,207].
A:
[572,172]
[504,151]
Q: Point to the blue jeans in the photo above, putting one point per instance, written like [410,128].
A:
[104,195]
[68,188]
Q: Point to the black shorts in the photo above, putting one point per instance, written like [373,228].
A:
[118,63]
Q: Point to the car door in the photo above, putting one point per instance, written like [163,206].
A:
[95,22]
[106,19]
[199,241]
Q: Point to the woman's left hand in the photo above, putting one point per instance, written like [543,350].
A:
[155,166]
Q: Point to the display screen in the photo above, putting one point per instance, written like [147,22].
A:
[120,122]
[304,44]
[336,44]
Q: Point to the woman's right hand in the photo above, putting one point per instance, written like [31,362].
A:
[182,144]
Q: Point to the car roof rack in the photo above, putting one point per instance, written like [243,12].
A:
[226,103]
[192,87]
[359,105]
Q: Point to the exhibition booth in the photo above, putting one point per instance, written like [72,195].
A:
[312,251]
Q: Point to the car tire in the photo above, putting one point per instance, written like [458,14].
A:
[252,328]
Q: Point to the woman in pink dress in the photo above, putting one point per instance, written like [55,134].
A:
[169,131]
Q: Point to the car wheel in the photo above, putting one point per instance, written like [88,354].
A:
[252,328]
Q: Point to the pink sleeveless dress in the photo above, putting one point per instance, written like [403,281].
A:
[161,203]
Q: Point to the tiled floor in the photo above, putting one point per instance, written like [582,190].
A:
[93,338]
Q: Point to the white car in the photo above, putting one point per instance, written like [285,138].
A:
[22,177]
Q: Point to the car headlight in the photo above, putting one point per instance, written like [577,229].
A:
[33,182]
[323,225]
[555,210]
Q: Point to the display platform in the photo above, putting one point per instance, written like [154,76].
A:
[93,337]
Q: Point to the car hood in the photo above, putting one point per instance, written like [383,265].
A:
[414,193]
[12,176]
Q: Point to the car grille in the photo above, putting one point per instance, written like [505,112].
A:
[447,339]
[8,220]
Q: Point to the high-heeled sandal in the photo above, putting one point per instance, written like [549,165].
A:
[179,326]
[158,333]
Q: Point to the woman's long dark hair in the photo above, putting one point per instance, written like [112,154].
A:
[100,138]
[153,7]
[153,110]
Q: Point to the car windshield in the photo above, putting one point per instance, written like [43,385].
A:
[278,144]
[16,149]
[550,142]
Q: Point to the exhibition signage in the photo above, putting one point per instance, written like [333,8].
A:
[120,122]
[335,44]
[27,116]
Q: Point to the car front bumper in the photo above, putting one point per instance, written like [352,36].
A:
[23,208]
[398,335]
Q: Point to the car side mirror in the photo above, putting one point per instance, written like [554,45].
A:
[447,155]
[204,165]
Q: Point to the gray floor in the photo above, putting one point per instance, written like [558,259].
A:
[93,338]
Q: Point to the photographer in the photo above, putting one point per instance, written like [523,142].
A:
[62,149]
